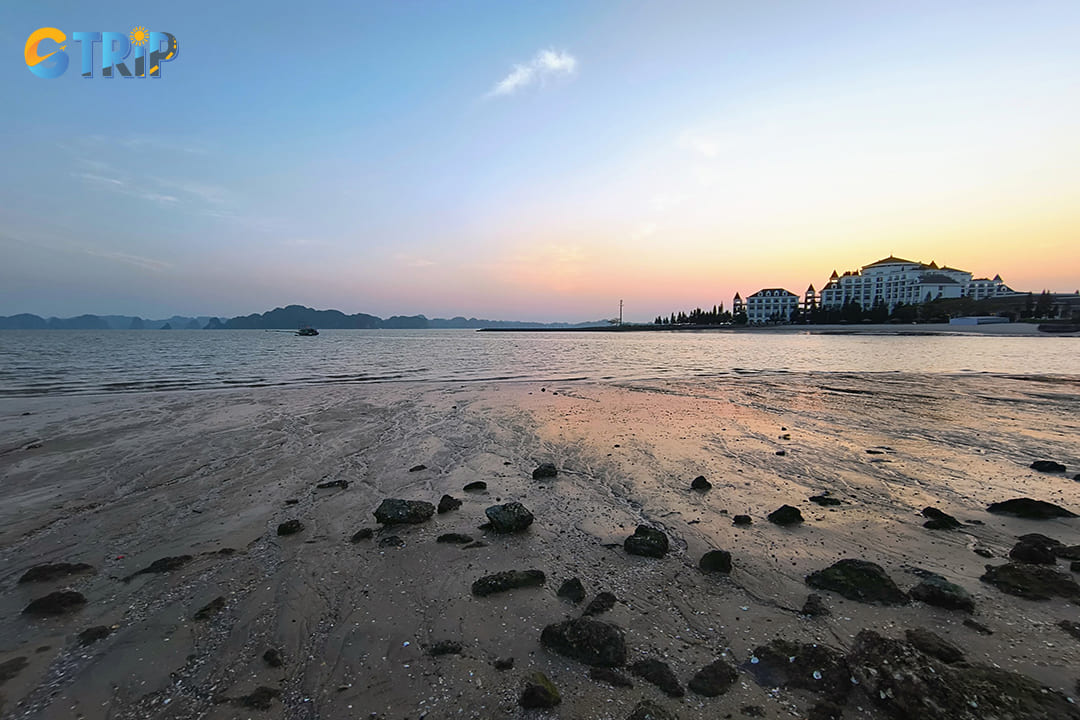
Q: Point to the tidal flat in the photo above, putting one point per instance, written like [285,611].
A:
[201,598]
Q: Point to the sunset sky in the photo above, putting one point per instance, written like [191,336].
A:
[534,160]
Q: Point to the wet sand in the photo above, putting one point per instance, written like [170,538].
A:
[119,482]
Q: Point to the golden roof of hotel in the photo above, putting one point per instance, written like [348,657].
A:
[891,260]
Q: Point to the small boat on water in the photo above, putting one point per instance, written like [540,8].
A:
[307,331]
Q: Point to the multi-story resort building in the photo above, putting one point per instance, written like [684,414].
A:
[889,281]
[771,305]
[894,280]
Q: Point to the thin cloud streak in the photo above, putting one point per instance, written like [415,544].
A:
[546,64]
[137,260]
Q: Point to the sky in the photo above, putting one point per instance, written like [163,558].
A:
[533,160]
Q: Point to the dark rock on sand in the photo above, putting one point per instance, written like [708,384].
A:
[977,627]
[362,534]
[1042,540]
[1031,509]
[343,484]
[714,679]
[647,541]
[934,645]
[589,641]
[1074,566]
[610,676]
[290,527]
[454,539]
[1069,552]
[781,453]
[600,604]
[572,590]
[448,503]
[785,515]
[815,606]
[261,698]
[539,692]
[818,668]
[936,590]
[508,580]
[503,663]
[477,486]
[741,520]
[752,711]
[1047,466]
[546,470]
[825,710]
[391,541]
[162,565]
[858,580]
[1035,549]
[509,518]
[939,520]
[210,609]
[700,483]
[1034,582]
[53,571]
[12,667]
[56,603]
[273,658]
[394,511]
[1073,628]
[417,468]
[91,635]
[825,500]
[659,674]
[648,710]
[907,683]
[715,561]
[446,647]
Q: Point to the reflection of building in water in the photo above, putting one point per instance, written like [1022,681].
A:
[770,305]
[894,280]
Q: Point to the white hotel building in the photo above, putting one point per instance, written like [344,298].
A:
[770,305]
[891,281]
[894,280]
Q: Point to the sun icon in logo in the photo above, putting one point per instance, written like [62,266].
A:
[139,36]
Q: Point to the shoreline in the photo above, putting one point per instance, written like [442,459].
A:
[1000,329]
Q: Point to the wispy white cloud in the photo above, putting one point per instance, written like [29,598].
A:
[662,202]
[700,144]
[644,231]
[546,64]
[136,260]
[100,179]
[125,188]
[156,197]
[147,142]
[212,194]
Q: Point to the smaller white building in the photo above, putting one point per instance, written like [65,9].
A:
[771,305]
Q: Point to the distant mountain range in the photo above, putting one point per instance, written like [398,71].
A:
[286,318]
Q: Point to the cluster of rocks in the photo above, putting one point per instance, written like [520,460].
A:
[922,676]
[867,582]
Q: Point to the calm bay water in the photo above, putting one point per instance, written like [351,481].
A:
[91,362]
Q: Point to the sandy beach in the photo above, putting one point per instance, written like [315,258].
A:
[119,482]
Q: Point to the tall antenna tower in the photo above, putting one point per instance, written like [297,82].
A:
[620,312]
